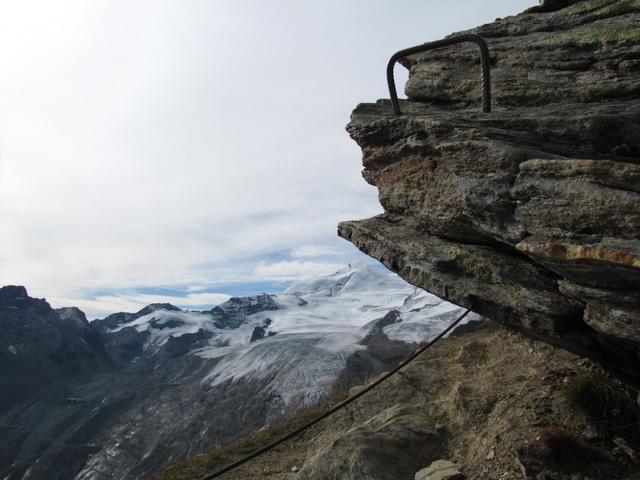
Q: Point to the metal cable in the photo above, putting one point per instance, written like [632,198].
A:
[485,67]
[334,409]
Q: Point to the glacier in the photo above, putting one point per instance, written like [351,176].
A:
[316,326]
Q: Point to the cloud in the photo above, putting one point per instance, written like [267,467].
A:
[310,251]
[103,305]
[294,269]
[190,300]
[138,150]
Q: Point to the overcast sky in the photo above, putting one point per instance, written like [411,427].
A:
[186,150]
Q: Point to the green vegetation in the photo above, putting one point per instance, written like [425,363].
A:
[590,38]
[602,8]
[199,465]
[594,36]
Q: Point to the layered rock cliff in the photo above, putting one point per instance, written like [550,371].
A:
[530,214]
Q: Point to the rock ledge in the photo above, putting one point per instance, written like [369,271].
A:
[529,215]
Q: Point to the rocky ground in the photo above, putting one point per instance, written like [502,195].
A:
[497,404]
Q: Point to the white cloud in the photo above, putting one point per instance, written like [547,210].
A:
[190,300]
[137,149]
[294,269]
[105,304]
[310,251]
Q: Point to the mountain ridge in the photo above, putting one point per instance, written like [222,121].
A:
[209,373]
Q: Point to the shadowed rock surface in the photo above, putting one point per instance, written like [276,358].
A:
[40,345]
[531,214]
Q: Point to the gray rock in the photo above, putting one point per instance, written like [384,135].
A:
[233,312]
[440,470]
[258,334]
[40,346]
[618,322]
[496,284]
[391,445]
[529,215]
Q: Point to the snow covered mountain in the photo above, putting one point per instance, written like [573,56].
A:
[187,381]
[312,328]
[319,324]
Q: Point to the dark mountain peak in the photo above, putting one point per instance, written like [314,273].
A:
[233,312]
[248,305]
[154,307]
[112,321]
[15,297]
[12,292]
[43,345]
[117,319]
[73,314]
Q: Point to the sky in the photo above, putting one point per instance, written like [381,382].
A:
[188,150]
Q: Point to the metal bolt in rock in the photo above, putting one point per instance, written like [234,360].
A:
[485,69]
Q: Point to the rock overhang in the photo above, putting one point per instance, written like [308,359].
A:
[530,214]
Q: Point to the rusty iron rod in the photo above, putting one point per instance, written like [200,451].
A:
[485,69]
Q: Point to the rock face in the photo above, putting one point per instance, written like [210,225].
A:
[529,215]
[40,345]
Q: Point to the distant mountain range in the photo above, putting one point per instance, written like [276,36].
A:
[122,396]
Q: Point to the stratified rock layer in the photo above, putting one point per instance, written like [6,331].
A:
[530,214]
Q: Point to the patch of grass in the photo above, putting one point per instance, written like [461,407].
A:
[589,38]
[199,465]
[610,404]
[602,8]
